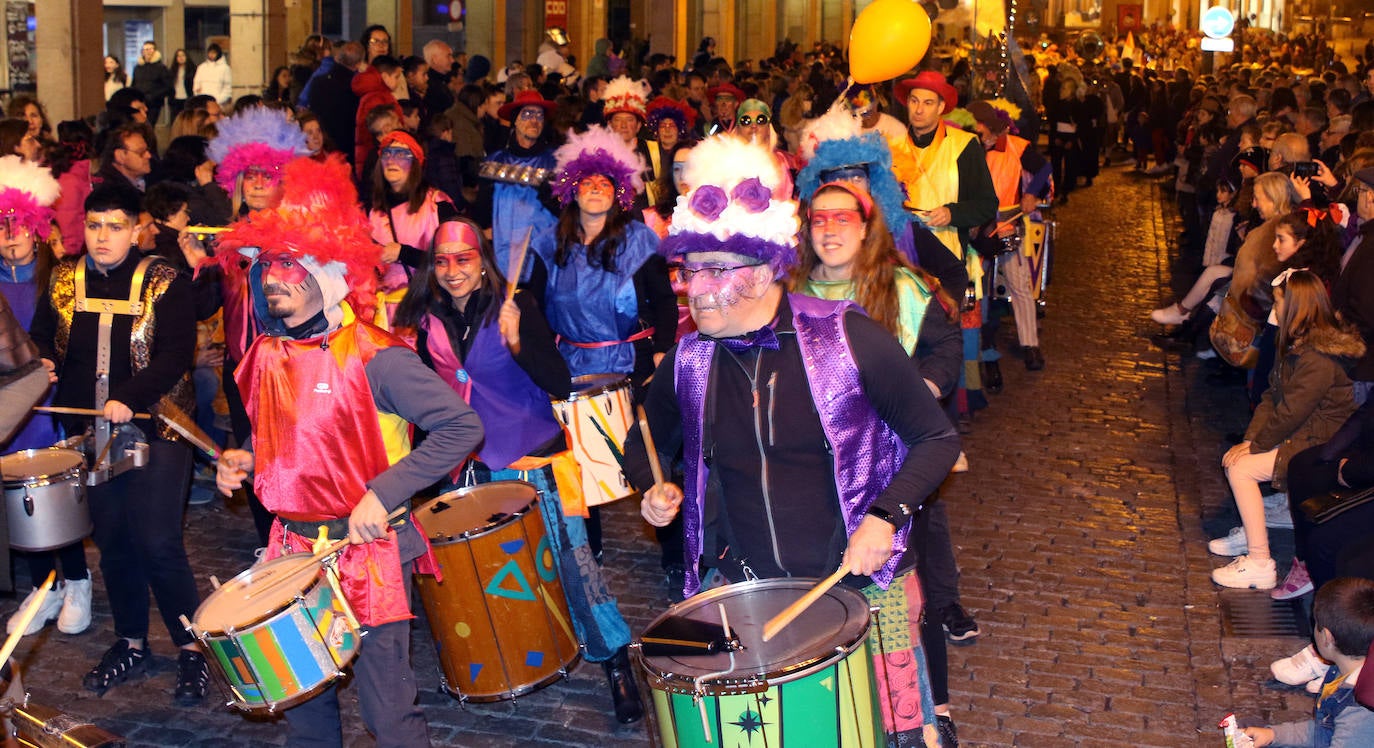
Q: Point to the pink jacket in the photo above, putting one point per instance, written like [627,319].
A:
[70,206]
[411,229]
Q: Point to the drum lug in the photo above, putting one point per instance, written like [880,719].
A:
[28,502]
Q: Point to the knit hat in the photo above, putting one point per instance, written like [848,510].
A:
[319,222]
[597,151]
[257,137]
[732,208]
[478,68]
[625,95]
[27,194]
[836,140]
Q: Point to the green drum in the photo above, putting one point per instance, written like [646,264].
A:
[811,685]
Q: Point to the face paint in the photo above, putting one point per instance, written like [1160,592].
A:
[282,268]
[715,288]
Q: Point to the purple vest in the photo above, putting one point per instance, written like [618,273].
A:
[517,414]
[866,452]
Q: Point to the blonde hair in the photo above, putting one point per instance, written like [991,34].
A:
[1278,189]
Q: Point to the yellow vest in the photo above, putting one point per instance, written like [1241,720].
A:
[937,179]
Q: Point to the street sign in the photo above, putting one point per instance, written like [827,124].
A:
[1207,44]
[1217,23]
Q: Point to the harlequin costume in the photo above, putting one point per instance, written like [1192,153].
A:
[331,403]
[872,444]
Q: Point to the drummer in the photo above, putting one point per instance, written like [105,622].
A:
[332,399]
[801,489]
[149,349]
[499,354]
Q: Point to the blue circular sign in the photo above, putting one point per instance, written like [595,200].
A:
[1217,22]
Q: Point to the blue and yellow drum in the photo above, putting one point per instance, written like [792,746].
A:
[811,685]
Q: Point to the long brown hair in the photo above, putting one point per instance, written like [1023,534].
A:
[1306,309]
[875,268]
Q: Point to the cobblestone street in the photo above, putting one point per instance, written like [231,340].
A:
[1080,530]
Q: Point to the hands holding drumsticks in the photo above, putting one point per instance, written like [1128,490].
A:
[369,520]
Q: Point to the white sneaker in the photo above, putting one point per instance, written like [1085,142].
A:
[1243,573]
[76,606]
[1169,315]
[1234,544]
[1301,668]
[46,612]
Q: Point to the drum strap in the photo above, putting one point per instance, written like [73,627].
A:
[641,335]
[107,309]
[338,528]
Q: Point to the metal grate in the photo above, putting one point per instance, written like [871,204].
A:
[1253,614]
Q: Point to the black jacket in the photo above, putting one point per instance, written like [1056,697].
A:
[154,80]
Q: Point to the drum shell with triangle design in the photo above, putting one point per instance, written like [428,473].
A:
[499,618]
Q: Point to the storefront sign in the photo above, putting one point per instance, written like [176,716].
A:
[19,46]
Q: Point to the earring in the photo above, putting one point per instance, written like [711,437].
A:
[484,273]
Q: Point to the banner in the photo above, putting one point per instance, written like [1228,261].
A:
[19,46]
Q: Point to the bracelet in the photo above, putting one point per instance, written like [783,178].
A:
[886,516]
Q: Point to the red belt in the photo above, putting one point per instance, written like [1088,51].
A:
[641,335]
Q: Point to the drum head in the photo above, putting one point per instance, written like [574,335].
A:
[258,592]
[590,385]
[39,463]
[475,509]
[832,627]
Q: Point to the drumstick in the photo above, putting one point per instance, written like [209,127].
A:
[790,613]
[334,547]
[649,447]
[25,619]
[65,411]
[517,264]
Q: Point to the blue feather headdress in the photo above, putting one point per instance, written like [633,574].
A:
[836,140]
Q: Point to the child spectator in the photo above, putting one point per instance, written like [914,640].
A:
[1343,622]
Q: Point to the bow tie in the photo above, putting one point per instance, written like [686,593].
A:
[764,337]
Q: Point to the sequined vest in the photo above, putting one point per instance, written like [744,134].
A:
[865,452]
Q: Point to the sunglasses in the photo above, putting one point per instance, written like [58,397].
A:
[745,121]
[531,113]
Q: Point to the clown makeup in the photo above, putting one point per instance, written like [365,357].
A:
[287,287]
[396,163]
[715,289]
[837,233]
[17,246]
[595,193]
[457,270]
[1285,244]
[262,188]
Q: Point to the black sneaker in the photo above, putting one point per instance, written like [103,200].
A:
[193,678]
[119,662]
[949,734]
[960,628]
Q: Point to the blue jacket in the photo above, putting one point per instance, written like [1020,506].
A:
[1337,722]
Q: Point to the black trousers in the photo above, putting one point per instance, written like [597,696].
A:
[940,584]
[138,518]
[1340,547]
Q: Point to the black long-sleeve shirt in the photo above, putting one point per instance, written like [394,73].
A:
[977,202]
[777,509]
[172,352]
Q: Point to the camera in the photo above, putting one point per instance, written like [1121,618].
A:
[1306,169]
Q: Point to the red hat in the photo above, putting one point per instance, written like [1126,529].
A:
[522,100]
[930,81]
[404,139]
[726,89]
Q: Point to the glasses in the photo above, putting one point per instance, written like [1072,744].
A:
[379,41]
[141,152]
[761,119]
[840,219]
[714,273]
[397,154]
[531,113]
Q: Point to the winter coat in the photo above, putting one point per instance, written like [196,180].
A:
[1352,296]
[1256,267]
[213,78]
[1309,397]
[70,206]
[154,80]
[372,92]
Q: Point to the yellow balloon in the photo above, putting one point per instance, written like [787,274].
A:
[888,38]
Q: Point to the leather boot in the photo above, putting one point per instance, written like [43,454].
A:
[624,691]
[1035,360]
[992,377]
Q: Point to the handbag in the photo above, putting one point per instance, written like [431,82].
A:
[1233,334]
[1324,508]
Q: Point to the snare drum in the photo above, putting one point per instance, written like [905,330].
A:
[45,496]
[499,619]
[597,417]
[277,634]
[812,685]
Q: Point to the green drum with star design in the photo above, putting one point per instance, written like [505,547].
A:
[812,685]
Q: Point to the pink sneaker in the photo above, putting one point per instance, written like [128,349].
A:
[1296,584]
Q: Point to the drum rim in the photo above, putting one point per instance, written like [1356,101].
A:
[272,613]
[296,698]
[740,681]
[623,383]
[79,467]
[562,673]
[486,530]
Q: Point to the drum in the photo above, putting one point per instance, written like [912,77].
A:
[499,619]
[276,634]
[40,726]
[597,417]
[45,495]
[812,685]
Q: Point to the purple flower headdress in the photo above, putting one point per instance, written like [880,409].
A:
[597,151]
[733,206]
[259,137]
[27,193]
